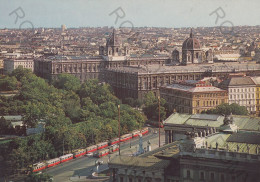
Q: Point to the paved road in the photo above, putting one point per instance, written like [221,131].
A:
[84,166]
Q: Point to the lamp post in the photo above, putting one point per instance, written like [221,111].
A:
[119,127]
[159,123]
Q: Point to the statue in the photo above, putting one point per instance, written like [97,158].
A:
[228,119]
[237,148]
[191,134]
[204,133]
[248,148]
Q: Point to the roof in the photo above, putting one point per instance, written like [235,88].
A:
[191,43]
[194,89]
[245,123]
[245,137]
[13,118]
[241,81]
[237,81]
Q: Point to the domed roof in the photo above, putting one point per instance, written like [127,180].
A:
[191,43]
[113,40]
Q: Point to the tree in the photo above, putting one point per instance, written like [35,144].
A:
[21,72]
[5,126]
[67,82]
[8,83]
[151,108]
[226,109]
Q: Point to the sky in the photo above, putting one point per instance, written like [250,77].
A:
[136,13]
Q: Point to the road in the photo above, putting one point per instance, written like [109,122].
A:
[84,166]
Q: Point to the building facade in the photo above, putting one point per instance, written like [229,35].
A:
[193,96]
[192,53]
[213,148]
[13,63]
[241,90]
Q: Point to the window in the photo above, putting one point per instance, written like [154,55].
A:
[188,173]
[212,176]
[201,175]
[222,178]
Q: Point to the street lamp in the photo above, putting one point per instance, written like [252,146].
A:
[119,127]
[159,123]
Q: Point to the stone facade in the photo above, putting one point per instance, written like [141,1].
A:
[192,53]
[13,63]
[193,96]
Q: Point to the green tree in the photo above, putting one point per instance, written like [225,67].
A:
[227,109]
[8,83]
[67,82]
[21,72]
[151,107]
[5,126]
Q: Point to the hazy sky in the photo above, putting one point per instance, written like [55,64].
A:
[157,13]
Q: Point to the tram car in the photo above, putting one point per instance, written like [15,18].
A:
[99,150]
[91,149]
[144,131]
[113,141]
[135,133]
[79,153]
[38,166]
[53,162]
[66,157]
[113,148]
[102,153]
[102,145]
[125,137]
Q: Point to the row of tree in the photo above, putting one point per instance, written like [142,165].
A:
[76,115]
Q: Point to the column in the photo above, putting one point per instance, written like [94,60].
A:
[172,136]
[166,136]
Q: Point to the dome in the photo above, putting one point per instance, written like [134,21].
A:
[191,43]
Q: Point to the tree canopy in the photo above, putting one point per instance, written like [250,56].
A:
[228,109]
[75,116]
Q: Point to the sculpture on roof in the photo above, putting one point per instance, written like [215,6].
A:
[191,134]
[228,119]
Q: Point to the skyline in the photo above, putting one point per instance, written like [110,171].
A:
[152,13]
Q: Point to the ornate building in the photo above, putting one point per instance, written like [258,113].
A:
[136,81]
[192,52]
[134,76]
[192,96]
[212,149]
[113,55]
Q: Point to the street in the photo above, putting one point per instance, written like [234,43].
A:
[85,166]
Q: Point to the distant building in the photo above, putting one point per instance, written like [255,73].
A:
[192,96]
[242,91]
[13,63]
[135,75]
[257,94]
[192,52]
[63,27]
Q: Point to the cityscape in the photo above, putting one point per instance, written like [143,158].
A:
[127,99]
